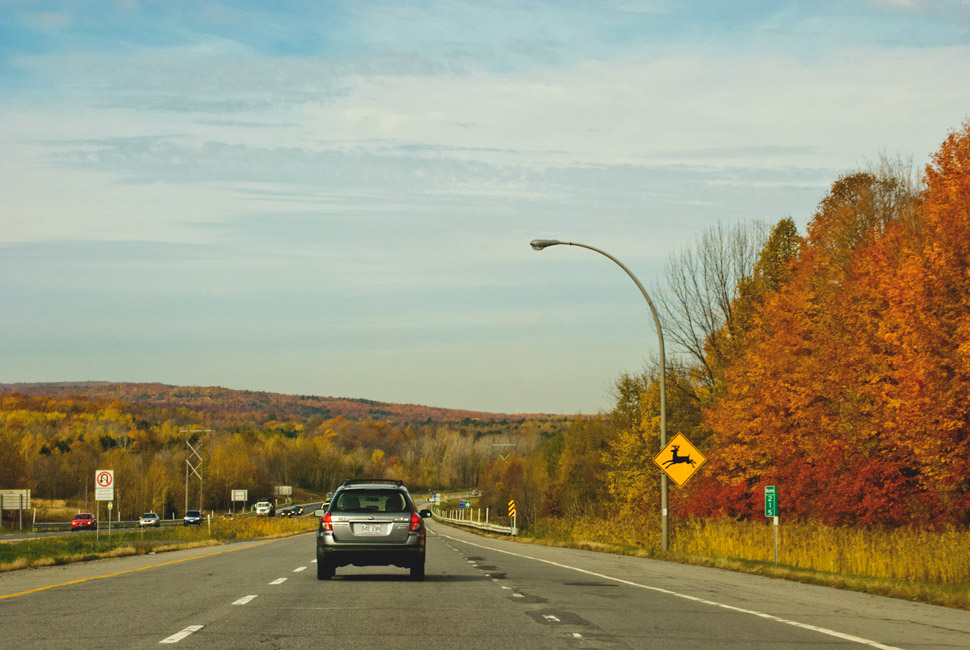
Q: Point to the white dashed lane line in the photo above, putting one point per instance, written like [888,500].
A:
[244,600]
[178,636]
[278,581]
[298,569]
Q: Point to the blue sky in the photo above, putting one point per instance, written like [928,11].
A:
[336,198]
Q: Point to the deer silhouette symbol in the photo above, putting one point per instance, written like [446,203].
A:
[676,460]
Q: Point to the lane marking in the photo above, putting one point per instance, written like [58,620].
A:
[298,569]
[144,568]
[244,600]
[278,581]
[668,592]
[178,636]
[552,618]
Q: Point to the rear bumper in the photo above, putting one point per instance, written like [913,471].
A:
[402,555]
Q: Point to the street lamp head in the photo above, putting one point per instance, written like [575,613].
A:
[539,244]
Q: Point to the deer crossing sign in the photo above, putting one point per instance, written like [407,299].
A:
[679,459]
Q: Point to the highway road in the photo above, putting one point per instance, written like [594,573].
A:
[479,593]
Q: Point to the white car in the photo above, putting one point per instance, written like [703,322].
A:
[149,519]
[264,509]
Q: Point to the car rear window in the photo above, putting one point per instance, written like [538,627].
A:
[370,501]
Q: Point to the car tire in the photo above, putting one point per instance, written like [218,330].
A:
[325,570]
[417,570]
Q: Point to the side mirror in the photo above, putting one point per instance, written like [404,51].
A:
[425,514]
[319,513]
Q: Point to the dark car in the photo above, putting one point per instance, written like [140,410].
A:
[192,518]
[83,521]
[295,511]
[371,522]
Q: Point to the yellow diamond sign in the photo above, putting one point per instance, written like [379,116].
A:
[679,459]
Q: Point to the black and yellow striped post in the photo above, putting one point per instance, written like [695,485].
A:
[512,515]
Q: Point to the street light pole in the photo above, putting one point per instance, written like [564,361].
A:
[540,244]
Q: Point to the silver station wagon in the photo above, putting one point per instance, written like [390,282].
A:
[371,522]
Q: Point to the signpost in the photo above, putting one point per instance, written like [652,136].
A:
[239,495]
[512,515]
[14,500]
[104,490]
[771,510]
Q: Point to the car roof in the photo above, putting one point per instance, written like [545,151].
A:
[371,483]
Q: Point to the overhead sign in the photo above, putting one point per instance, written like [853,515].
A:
[104,485]
[771,501]
[240,495]
[680,459]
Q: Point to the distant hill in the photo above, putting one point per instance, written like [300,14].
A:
[218,400]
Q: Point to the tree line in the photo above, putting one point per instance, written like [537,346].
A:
[54,445]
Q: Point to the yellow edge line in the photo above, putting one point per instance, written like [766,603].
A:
[153,566]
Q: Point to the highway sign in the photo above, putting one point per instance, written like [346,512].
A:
[771,501]
[15,499]
[104,485]
[679,459]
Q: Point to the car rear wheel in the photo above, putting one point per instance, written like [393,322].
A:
[325,570]
[417,570]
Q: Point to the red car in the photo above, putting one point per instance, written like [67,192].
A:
[83,520]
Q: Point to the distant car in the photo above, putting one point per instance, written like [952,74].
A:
[265,509]
[371,522]
[294,511]
[192,518]
[149,519]
[83,521]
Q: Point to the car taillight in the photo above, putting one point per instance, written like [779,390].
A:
[325,522]
[416,522]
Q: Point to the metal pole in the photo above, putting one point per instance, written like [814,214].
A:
[540,244]
[776,540]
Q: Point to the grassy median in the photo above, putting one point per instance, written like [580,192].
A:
[63,549]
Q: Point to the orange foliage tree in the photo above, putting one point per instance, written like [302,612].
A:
[850,391]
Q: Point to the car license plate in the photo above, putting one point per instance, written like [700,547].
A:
[370,529]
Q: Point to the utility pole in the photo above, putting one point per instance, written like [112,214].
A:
[193,466]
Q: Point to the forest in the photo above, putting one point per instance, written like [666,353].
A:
[834,364]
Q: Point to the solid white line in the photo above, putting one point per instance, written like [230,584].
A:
[278,581]
[298,569]
[668,592]
[244,600]
[178,636]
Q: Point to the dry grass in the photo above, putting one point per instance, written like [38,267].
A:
[920,565]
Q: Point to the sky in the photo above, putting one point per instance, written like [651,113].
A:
[337,198]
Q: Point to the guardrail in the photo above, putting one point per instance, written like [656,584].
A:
[464,518]
[50,526]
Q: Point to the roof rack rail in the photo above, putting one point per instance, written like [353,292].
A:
[361,481]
